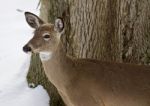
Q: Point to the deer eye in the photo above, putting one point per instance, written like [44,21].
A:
[46,36]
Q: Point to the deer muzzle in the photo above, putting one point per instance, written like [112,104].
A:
[27,49]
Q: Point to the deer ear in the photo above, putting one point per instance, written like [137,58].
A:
[59,24]
[33,20]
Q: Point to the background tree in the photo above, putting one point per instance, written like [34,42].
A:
[109,30]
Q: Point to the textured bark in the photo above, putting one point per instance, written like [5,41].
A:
[135,30]
[94,31]
[111,30]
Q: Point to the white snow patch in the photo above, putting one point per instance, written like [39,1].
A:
[14,64]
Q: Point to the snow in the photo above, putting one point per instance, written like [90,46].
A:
[14,63]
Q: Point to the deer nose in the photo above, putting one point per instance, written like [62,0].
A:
[27,48]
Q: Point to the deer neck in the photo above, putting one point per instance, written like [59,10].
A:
[57,67]
[59,54]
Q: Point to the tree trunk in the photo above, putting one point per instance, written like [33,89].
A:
[110,30]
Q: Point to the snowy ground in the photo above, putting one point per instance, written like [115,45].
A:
[14,33]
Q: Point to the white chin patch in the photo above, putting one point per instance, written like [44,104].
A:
[45,56]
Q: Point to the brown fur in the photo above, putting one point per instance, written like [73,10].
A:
[87,82]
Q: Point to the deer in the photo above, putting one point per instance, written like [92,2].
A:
[86,82]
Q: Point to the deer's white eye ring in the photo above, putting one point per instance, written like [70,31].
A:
[46,36]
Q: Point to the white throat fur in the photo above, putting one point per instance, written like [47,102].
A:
[45,56]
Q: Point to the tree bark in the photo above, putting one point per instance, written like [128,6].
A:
[109,30]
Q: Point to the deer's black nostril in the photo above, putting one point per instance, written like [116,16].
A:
[26,48]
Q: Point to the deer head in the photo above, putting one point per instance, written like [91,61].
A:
[46,35]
